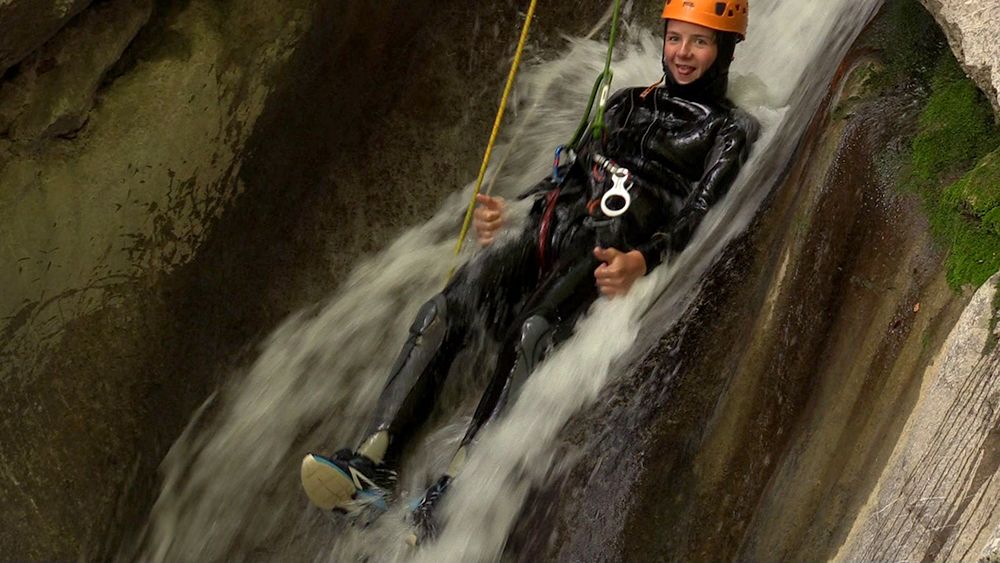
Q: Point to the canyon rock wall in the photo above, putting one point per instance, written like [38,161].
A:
[27,24]
[936,497]
[121,141]
[972,31]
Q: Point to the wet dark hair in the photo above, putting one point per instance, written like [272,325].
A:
[711,86]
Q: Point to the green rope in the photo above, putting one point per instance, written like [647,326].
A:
[603,81]
[586,116]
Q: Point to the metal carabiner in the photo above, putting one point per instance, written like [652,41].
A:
[605,91]
[557,162]
[617,200]
[597,129]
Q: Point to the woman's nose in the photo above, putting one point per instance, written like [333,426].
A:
[685,49]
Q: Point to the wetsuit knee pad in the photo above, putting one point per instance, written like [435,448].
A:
[535,341]
[432,315]
[426,335]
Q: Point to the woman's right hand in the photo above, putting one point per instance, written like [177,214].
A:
[489,218]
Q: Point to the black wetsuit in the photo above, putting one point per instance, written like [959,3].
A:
[682,155]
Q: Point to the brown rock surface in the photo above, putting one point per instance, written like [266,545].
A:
[88,222]
[54,91]
[27,24]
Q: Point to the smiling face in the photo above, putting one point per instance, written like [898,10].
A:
[689,50]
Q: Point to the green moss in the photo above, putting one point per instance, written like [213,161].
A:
[973,251]
[992,221]
[977,192]
[956,127]
[956,146]
[954,159]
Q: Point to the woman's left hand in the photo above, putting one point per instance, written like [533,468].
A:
[619,271]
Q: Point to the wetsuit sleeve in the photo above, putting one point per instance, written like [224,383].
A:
[722,165]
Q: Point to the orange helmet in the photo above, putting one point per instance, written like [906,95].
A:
[728,15]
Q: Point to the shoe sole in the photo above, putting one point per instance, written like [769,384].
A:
[326,485]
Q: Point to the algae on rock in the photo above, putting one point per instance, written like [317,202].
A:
[954,166]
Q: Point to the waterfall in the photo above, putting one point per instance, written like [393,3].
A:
[231,485]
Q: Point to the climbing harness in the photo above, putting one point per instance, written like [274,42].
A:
[561,162]
[619,196]
[544,228]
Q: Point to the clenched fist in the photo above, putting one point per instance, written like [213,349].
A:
[489,218]
[619,270]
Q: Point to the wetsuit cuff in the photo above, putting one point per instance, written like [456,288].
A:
[652,253]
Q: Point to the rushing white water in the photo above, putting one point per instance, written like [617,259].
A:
[231,481]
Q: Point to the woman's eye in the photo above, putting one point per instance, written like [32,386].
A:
[673,39]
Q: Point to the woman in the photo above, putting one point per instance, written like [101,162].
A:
[676,146]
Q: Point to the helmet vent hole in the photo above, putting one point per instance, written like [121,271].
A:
[730,13]
[720,8]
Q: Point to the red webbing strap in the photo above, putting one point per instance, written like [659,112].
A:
[544,229]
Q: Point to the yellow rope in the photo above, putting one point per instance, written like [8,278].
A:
[496,128]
